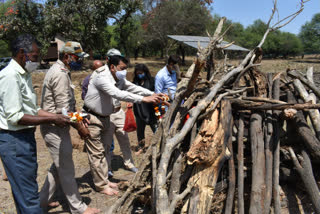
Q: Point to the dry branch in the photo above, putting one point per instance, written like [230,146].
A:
[304,169]
[247,105]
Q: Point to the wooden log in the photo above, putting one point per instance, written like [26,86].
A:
[176,173]
[247,105]
[313,113]
[240,166]
[276,153]
[268,151]
[258,164]
[232,178]
[309,140]
[314,88]
[304,169]
[209,155]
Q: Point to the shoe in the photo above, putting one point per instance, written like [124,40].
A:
[110,173]
[133,169]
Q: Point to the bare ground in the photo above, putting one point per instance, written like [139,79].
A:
[83,176]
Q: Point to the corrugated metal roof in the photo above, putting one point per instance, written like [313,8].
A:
[204,41]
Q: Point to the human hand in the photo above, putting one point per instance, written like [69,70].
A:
[61,120]
[86,122]
[154,98]
[83,131]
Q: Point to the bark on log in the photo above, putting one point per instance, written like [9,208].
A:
[313,113]
[240,166]
[304,168]
[258,164]
[268,151]
[209,154]
[305,81]
[232,178]
[276,154]
[247,105]
[303,130]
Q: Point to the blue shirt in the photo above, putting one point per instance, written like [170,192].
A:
[165,80]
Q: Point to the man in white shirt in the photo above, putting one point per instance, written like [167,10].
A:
[19,114]
[106,83]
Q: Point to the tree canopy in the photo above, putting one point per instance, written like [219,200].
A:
[139,25]
[310,35]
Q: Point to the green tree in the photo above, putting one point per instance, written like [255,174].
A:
[22,16]
[4,49]
[81,20]
[185,17]
[310,35]
[127,25]
[290,45]
[277,43]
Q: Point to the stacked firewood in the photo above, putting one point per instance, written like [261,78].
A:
[251,122]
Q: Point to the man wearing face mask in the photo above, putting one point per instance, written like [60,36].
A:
[57,93]
[166,78]
[19,114]
[108,83]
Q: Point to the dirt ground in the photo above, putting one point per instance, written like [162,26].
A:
[83,176]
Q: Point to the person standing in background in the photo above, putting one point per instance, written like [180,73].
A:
[143,112]
[166,78]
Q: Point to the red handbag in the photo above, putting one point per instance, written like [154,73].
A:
[130,123]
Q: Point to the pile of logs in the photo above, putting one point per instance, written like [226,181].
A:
[243,130]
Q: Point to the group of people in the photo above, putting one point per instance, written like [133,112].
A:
[106,87]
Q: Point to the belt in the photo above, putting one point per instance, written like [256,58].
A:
[93,113]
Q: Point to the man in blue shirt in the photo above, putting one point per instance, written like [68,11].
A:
[166,78]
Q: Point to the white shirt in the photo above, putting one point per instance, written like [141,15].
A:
[17,97]
[103,88]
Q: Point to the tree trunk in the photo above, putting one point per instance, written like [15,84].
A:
[305,170]
[258,164]
[268,151]
[240,166]
[232,179]
[276,153]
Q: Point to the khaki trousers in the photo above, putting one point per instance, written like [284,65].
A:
[95,146]
[62,170]
[116,127]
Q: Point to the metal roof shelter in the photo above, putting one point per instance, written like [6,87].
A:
[204,41]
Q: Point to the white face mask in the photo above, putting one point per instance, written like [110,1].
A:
[121,75]
[31,66]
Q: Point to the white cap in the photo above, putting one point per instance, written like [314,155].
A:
[114,52]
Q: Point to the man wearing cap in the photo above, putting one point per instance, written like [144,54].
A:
[108,83]
[57,93]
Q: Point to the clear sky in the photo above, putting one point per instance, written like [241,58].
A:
[247,11]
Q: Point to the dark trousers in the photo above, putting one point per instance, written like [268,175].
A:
[19,156]
[141,126]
